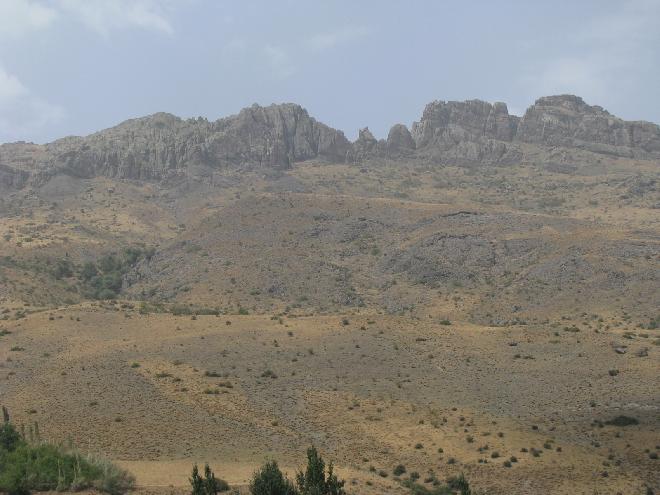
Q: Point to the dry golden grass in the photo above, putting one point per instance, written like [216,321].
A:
[365,393]
[301,252]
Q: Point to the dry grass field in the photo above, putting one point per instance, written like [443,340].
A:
[490,322]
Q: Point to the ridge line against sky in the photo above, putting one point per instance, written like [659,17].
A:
[78,66]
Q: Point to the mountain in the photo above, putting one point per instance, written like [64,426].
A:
[163,146]
[479,132]
[476,293]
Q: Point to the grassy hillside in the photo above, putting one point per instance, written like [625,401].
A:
[490,320]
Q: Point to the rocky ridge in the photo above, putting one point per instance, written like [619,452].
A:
[162,145]
[474,132]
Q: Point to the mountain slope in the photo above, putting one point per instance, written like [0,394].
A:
[556,129]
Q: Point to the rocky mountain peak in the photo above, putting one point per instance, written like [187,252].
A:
[566,120]
[474,132]
[162,145]
[444,122]
[399,139]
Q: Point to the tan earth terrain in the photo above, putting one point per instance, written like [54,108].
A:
[448,301]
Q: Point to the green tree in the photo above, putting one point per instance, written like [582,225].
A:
[314,480]
[9,437]
[88,271]
[269,480]
[196,482]
[210,482]
[132,255]
[63,269]
[109,263]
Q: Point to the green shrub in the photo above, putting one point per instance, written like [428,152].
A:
[459,483]
[9,438]
[113,480]
[88,271]
[104,279]
[399,470]
[48,467]
[314,480]
[417,489]
[212,484]
[209,485]
[269,480]
[63,269]
[622,421]
[196,482]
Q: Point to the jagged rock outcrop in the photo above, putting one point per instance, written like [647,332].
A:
[472,131]
[163,145]
[399,143]
[566,120]
[399,140]
[478,132]
[276,136]
[452,121]
[364,147]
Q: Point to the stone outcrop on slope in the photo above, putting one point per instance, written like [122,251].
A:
[161,145]
[364,147]
[475,131]
[568,121]
[472,132]
[399,140]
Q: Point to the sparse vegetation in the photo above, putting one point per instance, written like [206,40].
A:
[622,421]
[366,314]
[103,279]
[26,467]
[208,485]
[455,485]
[269,480]
[399,470]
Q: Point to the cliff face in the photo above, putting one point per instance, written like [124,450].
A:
[162,145]
[473,132]
[568,121]
[479,132]
[448,122]
[469,131]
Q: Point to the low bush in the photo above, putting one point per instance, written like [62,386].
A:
[25,467]
[103,279]
[209,484]
[459,483]
[315,481]
[399,470]
[269,480]
[622,421]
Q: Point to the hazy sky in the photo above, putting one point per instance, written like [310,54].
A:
[77,66]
